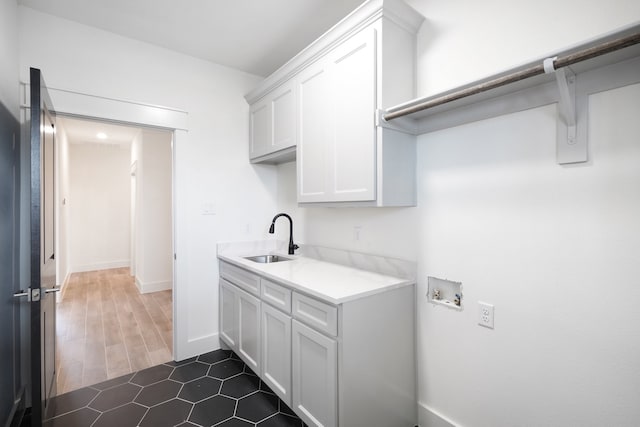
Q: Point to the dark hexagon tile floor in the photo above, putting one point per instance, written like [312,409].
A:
[213,389]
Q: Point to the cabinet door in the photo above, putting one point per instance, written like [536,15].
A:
[353,105]
[273,122]
[315,376]
[283,108]
[259,128]
[249,329]
[276,351]
[228,314]
[314,129]
[336,124]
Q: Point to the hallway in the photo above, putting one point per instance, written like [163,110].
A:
[106,328]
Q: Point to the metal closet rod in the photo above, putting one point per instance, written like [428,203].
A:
[562,61]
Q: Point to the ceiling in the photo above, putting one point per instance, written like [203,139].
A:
[255,36]
[81,131]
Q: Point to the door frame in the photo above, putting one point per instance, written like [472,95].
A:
[137,114]
[133,217]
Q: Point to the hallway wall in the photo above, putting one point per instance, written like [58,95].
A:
[151,152]
[99,206]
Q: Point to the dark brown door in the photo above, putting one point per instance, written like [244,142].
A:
[43,266]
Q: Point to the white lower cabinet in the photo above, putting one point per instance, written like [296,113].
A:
[335,365]
[249,330]
[315,376]
[276,351]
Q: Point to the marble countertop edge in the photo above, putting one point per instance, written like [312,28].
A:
[333,283]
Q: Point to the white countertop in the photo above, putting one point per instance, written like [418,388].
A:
[333,283]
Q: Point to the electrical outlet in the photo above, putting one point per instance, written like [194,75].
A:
[485,314]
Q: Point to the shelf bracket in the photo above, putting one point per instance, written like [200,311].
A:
[571,146]
[401,124]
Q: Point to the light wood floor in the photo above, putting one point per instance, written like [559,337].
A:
[106,328]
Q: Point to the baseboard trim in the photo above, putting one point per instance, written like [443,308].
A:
[196,346]
[428,417]
[148,287]
[100,266]
[63,287]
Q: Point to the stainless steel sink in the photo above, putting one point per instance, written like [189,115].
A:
[266,259]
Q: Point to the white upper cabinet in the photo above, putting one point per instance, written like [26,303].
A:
[273,124]
[336,133]
[345,155]
[313,131]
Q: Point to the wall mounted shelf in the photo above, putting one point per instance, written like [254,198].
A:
[569,77]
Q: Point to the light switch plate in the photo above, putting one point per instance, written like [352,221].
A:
[208,209]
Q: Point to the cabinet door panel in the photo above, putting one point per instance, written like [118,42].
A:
[353,104]
[249,330]
[260,129]
[313,126]
[317,314]
[228,314]
[241,278]
[315,376]
[276,351]
[276,295]
[284,118]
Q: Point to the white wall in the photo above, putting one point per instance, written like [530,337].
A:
[9,54]
[211,166]
[383,231]
[553,248]
[62,212]
[154,270]
[99,206]
[461,41]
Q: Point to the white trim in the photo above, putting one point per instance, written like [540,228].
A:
[100,266]
[197,346]
[429,417]
[63,286]
[182,347]
[84,105]
[107,109]
[149,287]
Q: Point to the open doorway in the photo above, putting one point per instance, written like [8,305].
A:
[115,261]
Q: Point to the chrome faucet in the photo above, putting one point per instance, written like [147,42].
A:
[292,246]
